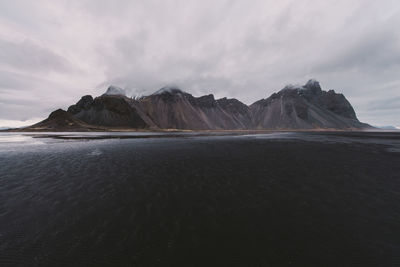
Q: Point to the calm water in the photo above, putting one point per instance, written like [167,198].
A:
[280,199]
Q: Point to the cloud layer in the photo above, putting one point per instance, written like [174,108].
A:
[53,52]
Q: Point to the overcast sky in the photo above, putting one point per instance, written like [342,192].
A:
[53,52]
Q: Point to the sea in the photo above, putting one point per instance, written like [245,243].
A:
[200,199]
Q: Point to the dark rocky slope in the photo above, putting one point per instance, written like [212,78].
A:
[107,110]
[61,120]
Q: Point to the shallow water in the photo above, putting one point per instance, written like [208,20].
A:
[279,199]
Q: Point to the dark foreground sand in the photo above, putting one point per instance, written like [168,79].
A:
[328,199]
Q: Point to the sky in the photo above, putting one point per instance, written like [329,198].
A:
[53,52]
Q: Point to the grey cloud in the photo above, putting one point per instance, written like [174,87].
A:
[240,49]
[31,57]
[375,52]
[24,96]
[392,103]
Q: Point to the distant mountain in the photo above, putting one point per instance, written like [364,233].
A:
[387,128]
[301,107]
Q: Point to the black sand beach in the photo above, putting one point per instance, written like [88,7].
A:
[290,199]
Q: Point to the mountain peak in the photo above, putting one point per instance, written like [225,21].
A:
[313,85]
[115,90]
[169,90]
[59,113]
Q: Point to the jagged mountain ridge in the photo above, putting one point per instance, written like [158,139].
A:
[305,107]
[301,107]
[180,110]
[168,108]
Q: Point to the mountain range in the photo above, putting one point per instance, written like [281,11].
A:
[294,107]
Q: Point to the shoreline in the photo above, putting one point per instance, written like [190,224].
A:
[174,133]
[134,130]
